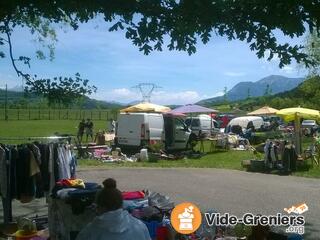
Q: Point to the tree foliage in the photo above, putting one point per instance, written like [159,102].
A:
[61,91]
[312,49]
[147,22]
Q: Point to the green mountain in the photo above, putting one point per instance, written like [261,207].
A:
[306,94]
[18,99]
[273,84]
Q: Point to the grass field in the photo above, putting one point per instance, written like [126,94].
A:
[43,128]
[219,159]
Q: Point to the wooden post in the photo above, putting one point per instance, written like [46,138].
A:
[18,114]
[99,115]
[297,130]
[29,113]
[49,114]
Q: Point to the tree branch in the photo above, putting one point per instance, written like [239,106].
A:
[8,40]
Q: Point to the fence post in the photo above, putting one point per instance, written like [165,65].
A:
[18,114]
[49,114]
[91,115]
[107,115]
[99,115]
[68,114]
[59,114]
[39,114]
[29,113]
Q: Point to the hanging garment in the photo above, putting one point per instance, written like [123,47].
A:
[25,180]
[52,166]
[63,162]
[267,155]
[3,173]
[273,153]
[73,165]
[13,172]
[44,167]
[34,167]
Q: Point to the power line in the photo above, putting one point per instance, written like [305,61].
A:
[146,90]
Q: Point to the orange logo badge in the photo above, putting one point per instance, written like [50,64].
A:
[186,218]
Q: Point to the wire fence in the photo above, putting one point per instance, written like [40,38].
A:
[58,114]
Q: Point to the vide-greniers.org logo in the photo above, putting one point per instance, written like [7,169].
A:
[186,219]
[250,219]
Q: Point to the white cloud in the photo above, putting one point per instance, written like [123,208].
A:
[288,70]
[217,94]
[234,74]
[272,66]
[10,80]
[125,95]
[182,97]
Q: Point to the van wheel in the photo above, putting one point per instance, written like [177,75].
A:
[192,142]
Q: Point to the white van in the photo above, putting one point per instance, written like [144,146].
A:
[258,122]
[141,129]
[203,123]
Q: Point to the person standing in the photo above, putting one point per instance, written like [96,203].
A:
[89,129]
[81,128]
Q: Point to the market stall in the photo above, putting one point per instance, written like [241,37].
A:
[296,114]
[146,107]
[264,111]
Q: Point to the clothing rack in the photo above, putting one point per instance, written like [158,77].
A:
[7,202]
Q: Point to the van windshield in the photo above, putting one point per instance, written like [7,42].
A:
[192,122]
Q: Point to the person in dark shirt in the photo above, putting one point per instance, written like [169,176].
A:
[81,128]
[89,129]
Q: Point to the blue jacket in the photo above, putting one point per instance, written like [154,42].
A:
[115,225]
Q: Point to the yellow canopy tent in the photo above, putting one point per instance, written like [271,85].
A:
[146,107]
[263,111]
[295,114]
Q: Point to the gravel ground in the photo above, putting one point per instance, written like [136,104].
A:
[235,192]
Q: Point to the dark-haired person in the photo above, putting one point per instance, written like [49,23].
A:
[112,222]
[81,128]
[89,129]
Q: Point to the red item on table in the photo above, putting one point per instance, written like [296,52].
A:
[133,195]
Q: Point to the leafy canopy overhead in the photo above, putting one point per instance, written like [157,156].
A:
[147,22]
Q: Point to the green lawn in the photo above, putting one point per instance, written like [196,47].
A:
[42,128]
[219,159]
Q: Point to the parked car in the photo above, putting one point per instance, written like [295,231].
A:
[309,124]
[136,130]
[202,123]
[309,127]
[257,122]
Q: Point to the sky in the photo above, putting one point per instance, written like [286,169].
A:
[115,65]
